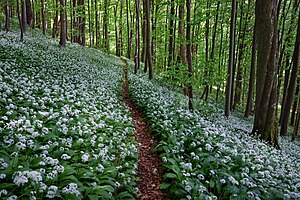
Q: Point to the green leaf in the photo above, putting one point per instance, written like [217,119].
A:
[164,186]
[170,175]
[93,197]
[124,196]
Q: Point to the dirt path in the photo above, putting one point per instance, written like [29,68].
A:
[150,173]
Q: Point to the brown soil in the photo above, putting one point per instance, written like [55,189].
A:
[150,173]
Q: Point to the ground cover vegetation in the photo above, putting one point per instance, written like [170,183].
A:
[217,81]
[64,132]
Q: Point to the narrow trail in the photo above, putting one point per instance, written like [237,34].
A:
[150,173]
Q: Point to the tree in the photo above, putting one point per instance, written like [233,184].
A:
[252,75]
[63,26]
[148,40]
[7,16]
[137,37]
[44,17]
[20,20]
[292,84]
[265,123]
[189,51]
[231,61]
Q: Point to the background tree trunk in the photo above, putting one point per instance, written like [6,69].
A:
[231,61]
[63,28]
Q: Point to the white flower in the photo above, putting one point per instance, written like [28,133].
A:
[13,197]
[3,193]
[20,178]
[65,156]
[3,164]
[2,176]
[71,189]
[85,157]
[51,191]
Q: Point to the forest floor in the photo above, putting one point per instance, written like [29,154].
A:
[150,164]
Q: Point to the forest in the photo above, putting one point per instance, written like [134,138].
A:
[152,99]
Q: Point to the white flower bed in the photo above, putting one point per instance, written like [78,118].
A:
[64,133]
[210,158]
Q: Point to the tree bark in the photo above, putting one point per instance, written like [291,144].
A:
[20,20]
[24,16]
[55,22]
[266,82]
[44,17]
[63,28]
[7,16]
[189,52]
[148,40]
[137,37]
[252,74]
[171,34]
[231,61]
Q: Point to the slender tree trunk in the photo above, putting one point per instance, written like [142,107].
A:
[55,22]
[296,127]
[171,34]
[116,30]
[231,61]
[120,28]
[128,30]
[220,59]
[252,75]
[292,84]
[20,20]
[33,14]
[24,16]
[238,88]
[294,109]
[90,23]
[189,51]
[44,17]
[148,40]
[97,24]
[105,26]
[137,37]
[7,16]
[144,36]
[63,28]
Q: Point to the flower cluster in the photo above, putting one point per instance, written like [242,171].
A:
[209,156]
[62,124]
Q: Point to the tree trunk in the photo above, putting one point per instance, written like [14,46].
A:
[24,16]
[44,17]
[137,37]
[231,61]
[81,23]
[252,74]
[296,127]
[189,51]
[266,82]
[63,28]
[20,20]
[105,26]
[292,84]
[29,14]
[171,34]
[116,30]
[55,22]
[128,30]
[7,16]
[148,42]
[90,24]
[97,25]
